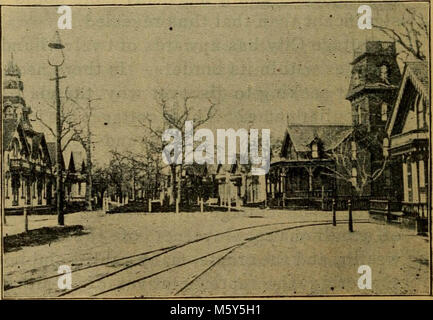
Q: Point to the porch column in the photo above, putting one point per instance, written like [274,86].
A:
[415,192]
[310,179]
[405,181]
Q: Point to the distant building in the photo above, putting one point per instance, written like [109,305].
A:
[303,174]
[408,129]
[28,165]
[75,181]
[237,186]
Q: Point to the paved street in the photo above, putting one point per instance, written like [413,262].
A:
[251,253]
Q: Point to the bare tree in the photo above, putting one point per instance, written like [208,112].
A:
[174,111]
[68,120]
[411,34]
[82,133]
[353,160]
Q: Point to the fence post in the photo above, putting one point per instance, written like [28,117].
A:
[26,219]
[334,216]
[349,207]
[150,205]
[25,208]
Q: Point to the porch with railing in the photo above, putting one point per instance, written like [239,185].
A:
[317,199]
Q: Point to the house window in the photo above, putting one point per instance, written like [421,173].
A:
[7,188]
[422,184]
[384,111]
[15,190]
[315,151]
[353,149]
[23,190]
[79,188]
[414,171]
[354,176]
[409,182]
[420,112]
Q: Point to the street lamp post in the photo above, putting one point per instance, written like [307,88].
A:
[56,60]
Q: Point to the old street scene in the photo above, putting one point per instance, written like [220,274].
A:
[91,207]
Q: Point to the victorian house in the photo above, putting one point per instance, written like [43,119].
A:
[304,173]
[408,132]
[28,179]
[323,162]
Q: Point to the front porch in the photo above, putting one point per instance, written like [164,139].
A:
[410,150]
[301,184]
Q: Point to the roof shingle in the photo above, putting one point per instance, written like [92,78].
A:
[330,135]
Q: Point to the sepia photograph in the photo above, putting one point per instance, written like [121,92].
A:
[216,150]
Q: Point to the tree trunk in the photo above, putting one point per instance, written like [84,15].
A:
[89,174]
[173,184]
[179,189]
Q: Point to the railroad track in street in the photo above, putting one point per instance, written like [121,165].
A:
[156,253]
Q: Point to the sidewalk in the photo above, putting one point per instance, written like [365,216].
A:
[15,224]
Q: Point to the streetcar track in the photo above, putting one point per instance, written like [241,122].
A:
[165,270]
[171,249]
[234,247]
[204,271]
[246,240]
[164,251]
[85,268]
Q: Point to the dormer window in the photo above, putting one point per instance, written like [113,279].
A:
[314,150]
[356,79]
[9,112]
[384,74]
[384,111]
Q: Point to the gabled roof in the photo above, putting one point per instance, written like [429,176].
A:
[417,73]
[10,127]
[51,146]
[76,161]
[329,135]
[52,150]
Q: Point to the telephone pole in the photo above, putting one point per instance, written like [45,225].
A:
[56,60]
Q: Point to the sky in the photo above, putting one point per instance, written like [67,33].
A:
[265,65]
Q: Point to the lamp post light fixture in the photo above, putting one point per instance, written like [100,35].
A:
[56,59]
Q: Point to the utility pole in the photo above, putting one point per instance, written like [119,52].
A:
[57,61]
[89,154]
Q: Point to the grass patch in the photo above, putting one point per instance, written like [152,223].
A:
[41,236]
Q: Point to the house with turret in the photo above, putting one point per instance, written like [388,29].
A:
[27,162]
